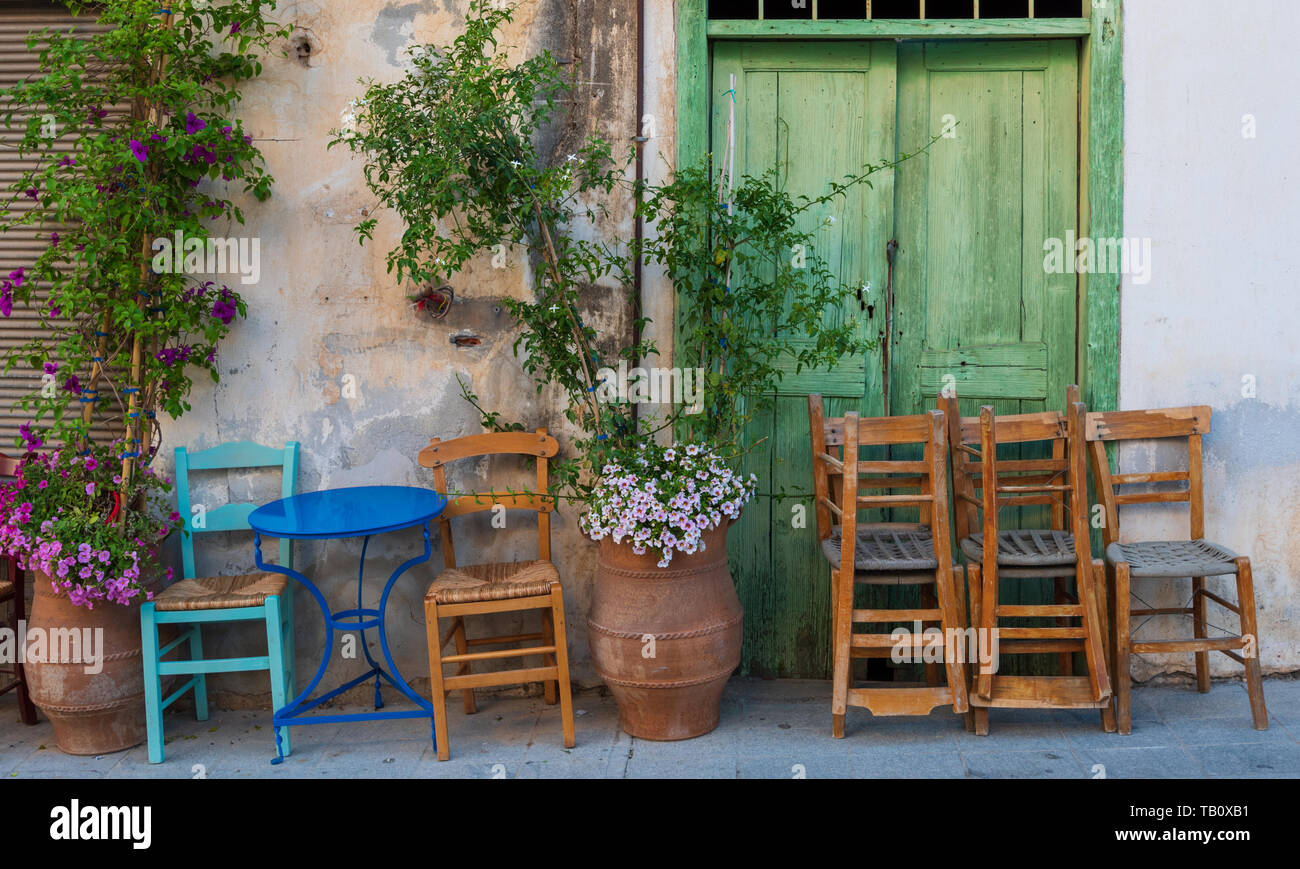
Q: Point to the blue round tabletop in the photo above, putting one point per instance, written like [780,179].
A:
[351,512]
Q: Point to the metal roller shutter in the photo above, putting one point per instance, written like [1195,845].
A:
[20,247]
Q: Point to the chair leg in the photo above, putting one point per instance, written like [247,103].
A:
[438,694]
[1100,593]
[462,647]
[287,643]
[843,662]
[1094,634]
[200,680]
[26,709]
[1250,630]
[275,652]
[562,665]
[928,601]
[152,683]
[548,639]
[952,623]
[1198,631]
[1064,660]
[977,719]
[988,623]
[1123,680]
[968,618]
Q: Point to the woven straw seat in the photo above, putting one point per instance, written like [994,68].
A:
[1174,559]
[220,592]
[1025,548]
[475,583]
[888,549]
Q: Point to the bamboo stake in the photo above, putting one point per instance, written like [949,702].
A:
[136,425]
[96,372]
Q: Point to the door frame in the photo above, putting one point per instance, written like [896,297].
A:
[1101,139]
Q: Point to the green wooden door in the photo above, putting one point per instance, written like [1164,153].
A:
[974,306]
[971,301]
[817,111]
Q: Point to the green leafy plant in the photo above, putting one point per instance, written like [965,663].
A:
[453,149]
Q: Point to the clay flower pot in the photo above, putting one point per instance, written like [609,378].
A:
[92,713]
[665,640]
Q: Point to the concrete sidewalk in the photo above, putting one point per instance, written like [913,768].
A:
[779,729]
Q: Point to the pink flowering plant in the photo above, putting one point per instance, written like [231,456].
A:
[62,515]
[665,499]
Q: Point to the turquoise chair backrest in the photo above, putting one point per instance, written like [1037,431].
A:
[231,517]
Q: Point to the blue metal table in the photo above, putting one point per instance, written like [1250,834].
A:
[362,511]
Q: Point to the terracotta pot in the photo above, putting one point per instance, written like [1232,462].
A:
[92,713]
[670,688]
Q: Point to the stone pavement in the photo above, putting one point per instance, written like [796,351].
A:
[770,729]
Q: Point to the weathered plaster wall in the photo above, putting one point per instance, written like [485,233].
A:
[332,354]
[1219,315]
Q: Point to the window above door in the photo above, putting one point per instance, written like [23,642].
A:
[873,10]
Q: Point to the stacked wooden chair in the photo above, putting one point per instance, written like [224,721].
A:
[886,553]
[1195,558]
[983,487]
[13,593]
[481,589]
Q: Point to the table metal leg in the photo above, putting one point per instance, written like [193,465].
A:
[293,713]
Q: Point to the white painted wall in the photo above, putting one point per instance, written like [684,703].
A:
[1222,211]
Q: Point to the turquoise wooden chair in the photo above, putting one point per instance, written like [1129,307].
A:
[193,601]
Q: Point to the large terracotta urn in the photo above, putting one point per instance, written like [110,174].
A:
[665,640]
[92,713]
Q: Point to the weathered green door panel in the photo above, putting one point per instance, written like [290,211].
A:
[973,214]
[1012,371]
[974,307]
[816,112]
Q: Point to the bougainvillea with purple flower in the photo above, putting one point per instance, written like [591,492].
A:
[136,178]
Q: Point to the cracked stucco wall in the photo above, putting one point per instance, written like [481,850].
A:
[1218,323]
[333,356]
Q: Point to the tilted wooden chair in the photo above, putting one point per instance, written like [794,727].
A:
[195,601]
[1196,557]
[887,554]
[476,589]
[983,484]
[13,592]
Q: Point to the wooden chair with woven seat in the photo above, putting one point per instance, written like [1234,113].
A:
[1169,560]
[194,601]
[13,593]
[984,484]
[894,553]
[480,589]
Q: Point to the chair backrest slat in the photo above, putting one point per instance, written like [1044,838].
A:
[835,444]
[538,444]
[1045,482]
[1170,422]
[1183,423]
[241,455]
